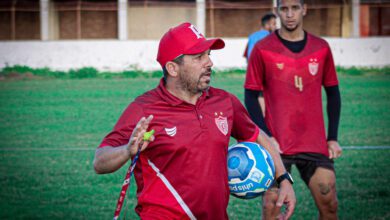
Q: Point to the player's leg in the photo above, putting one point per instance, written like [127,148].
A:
[318,173]
[270,197]
[323,188]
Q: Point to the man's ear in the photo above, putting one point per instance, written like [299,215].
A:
[172,68]
[304,9]
[267,26]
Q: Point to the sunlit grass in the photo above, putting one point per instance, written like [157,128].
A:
[56,115]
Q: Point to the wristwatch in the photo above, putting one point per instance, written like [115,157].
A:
[284,176]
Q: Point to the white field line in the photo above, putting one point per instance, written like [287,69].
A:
[92,149]
[366,148]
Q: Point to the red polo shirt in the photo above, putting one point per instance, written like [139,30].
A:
[183,173]
[291,84]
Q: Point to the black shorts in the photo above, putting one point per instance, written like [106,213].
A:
[307,163]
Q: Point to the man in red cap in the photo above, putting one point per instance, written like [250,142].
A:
[182,174]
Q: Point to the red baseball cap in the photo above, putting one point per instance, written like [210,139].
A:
[184,39]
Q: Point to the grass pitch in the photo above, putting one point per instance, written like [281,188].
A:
[41,119]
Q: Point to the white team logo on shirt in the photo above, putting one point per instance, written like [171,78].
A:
[171,131]
[222,123]
[313,66]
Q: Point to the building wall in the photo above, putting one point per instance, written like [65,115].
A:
[153,22]
[93,21]
[120,55]
[233,22]
[324,22]
[27,25]
[5,25]
[54,25]
[347,23]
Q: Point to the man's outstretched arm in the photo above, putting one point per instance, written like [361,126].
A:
[108,159]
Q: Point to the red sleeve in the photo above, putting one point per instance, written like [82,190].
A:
[243,127]
[122,130]
[329,75]
[255,71]
[245,52]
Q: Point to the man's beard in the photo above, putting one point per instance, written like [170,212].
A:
[193,86]
[290,29]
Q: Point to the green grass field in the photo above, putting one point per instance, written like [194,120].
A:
[41,119]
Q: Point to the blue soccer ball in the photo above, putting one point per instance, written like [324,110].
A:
[251,170]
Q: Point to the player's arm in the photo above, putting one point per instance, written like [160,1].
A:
[253,85]
[333,110]
[109,159]
[255,111]
[286,194]
[264,140]
[243,128]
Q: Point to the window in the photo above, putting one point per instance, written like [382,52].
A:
[235,18]
[84,19]
[374,18]
[19,20]
[151,19]
[331,18]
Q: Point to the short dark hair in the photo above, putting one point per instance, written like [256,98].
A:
[266,18]
[278,2]
[178,60]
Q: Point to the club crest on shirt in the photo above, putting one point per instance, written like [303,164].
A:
[280,66]
[222,123]
[313,66]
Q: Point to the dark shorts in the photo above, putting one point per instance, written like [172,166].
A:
[307,163]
